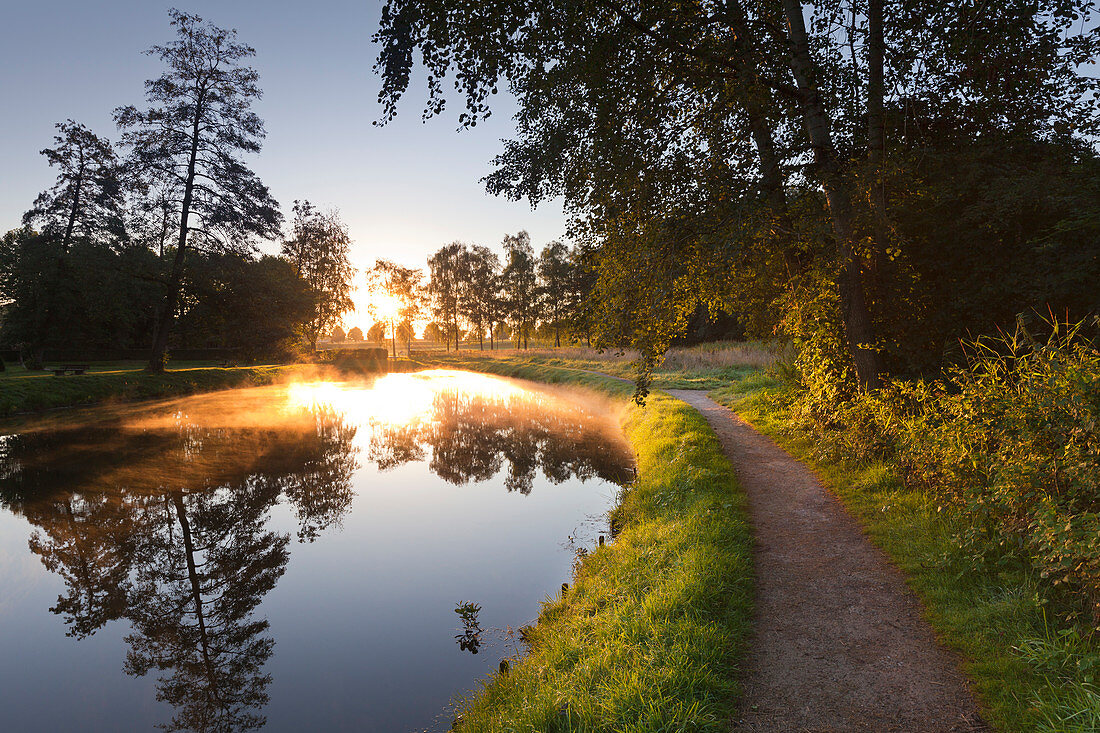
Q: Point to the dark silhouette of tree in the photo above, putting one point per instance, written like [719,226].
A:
[85,204]
[319,250]
[198,123]
[257,306]
[480,304]
[86,201]
[578,299]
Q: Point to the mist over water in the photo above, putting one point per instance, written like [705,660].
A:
[320,555]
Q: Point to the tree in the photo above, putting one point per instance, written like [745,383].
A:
[433,332]
[682,129]
[445,286]
[555,278]
[519,285]
[319,250]
[86,201]
[93,296]
[85,204]
[356,334]
[480,303]
[257,306]
[406,333]
[337,334]
[198,123]
[403,285]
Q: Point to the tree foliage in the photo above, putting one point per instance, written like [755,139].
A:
[760,155]
[318,249]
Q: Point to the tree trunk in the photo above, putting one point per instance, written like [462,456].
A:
[393,340]
[773,184]
[193,576]
[171,297]
[859,330]
[876,134]
[67,241]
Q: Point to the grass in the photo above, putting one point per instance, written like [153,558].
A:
[22,391]
[1024,671]
[707,366]
[649,636]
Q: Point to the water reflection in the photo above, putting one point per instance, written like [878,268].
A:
[166,527]
[161,517]
[470,638]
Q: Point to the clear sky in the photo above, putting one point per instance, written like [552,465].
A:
[404,189]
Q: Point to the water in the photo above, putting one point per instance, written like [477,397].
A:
[322,556]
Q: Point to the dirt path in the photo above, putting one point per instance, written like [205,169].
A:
[838,643]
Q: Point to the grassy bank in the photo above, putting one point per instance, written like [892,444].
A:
[20,393]
[649,634]
[707,366]
[1029,675]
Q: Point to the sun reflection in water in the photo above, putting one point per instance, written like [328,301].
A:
[398,399]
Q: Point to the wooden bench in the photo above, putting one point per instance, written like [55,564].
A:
[66,368]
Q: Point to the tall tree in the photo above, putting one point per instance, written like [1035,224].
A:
[319,248]
[445,286]
[555,278]
[519,285]
[198,122]
[480,303]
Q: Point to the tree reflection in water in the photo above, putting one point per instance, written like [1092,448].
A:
[166,524]
[472,436]
[167,529]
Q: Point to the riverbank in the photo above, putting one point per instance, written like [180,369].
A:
[650,634]
[33,392]
[707,366]
[1030,672]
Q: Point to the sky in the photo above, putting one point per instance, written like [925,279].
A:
[404,189]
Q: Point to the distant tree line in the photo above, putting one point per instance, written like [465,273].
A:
[157,246]
[474,294]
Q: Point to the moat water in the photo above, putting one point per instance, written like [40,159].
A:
[314,556]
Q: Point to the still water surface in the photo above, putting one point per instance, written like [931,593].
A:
[289,557]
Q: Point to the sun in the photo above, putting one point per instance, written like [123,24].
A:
[382,306]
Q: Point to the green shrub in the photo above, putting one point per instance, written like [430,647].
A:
[1009,442]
